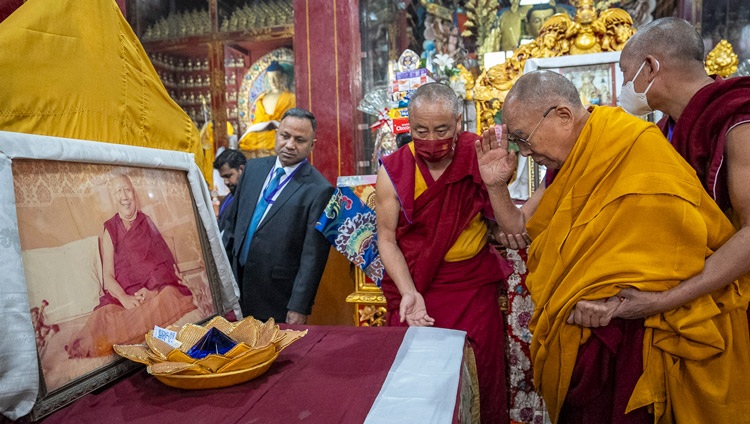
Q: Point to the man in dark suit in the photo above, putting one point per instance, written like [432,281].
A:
[230,164]
[278,257]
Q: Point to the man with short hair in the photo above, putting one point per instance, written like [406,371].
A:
[432,211]
[708,122]
[277,256]
[230,163]
[624,211]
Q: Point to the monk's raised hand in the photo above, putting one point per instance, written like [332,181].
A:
[496,164]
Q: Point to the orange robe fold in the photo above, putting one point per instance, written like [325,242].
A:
[626,210]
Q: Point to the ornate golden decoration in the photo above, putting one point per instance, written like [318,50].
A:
[369,301]
[359,297]
[586,31]
[618,28]
[722,60]
[559,36]
[363,284]
[468,79]
[480,17]
[371,316]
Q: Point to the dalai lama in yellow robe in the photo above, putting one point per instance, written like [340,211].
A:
[624,210]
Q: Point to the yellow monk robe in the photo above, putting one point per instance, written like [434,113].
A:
[75,69]
[266,139]
[207,142]
[471,241]
[626,210]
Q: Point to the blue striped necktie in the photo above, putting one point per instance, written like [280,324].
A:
[260,209]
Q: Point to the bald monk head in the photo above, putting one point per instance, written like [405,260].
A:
[544,117]
[669,54]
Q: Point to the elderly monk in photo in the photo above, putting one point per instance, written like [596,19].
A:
[432,236]
[708,122]
[624,211]
[142,286]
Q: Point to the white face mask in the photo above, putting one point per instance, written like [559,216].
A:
[636,103]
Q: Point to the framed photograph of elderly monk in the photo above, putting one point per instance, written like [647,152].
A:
[112,240]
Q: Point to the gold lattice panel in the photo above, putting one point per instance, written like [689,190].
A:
[368,300]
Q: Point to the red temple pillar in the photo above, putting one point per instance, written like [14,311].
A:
[328,82]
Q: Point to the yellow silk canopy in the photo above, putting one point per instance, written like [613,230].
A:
[76,69]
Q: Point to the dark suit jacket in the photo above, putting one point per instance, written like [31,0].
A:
[227,214]
[287,255]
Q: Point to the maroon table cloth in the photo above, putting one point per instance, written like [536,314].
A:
[332,375]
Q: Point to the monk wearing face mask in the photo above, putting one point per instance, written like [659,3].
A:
[707,120]
[433,217]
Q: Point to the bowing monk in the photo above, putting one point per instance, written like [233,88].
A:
[432,222]
[142,286]
[624,211]
[708,122]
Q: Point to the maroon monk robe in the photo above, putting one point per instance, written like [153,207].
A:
[141,258]
[700,133]
[607,369]
[459,295]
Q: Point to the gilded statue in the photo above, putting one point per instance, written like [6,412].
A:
[639,10]
[468,80]
[559,35]
[553,39]
[510,24]
[480,24]
[536,16]
[722,60]
[586,30]
[618,28]
[266,111]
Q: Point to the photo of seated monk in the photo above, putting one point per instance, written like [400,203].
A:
[142,285]
[108,252]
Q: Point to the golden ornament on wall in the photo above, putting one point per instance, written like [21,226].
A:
[722,60]
[559,36]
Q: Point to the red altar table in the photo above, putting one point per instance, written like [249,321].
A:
[332,375]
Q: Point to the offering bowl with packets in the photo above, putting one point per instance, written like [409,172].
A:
[217,354]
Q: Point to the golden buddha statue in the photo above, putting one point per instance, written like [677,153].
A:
[266,111]
[618,26]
